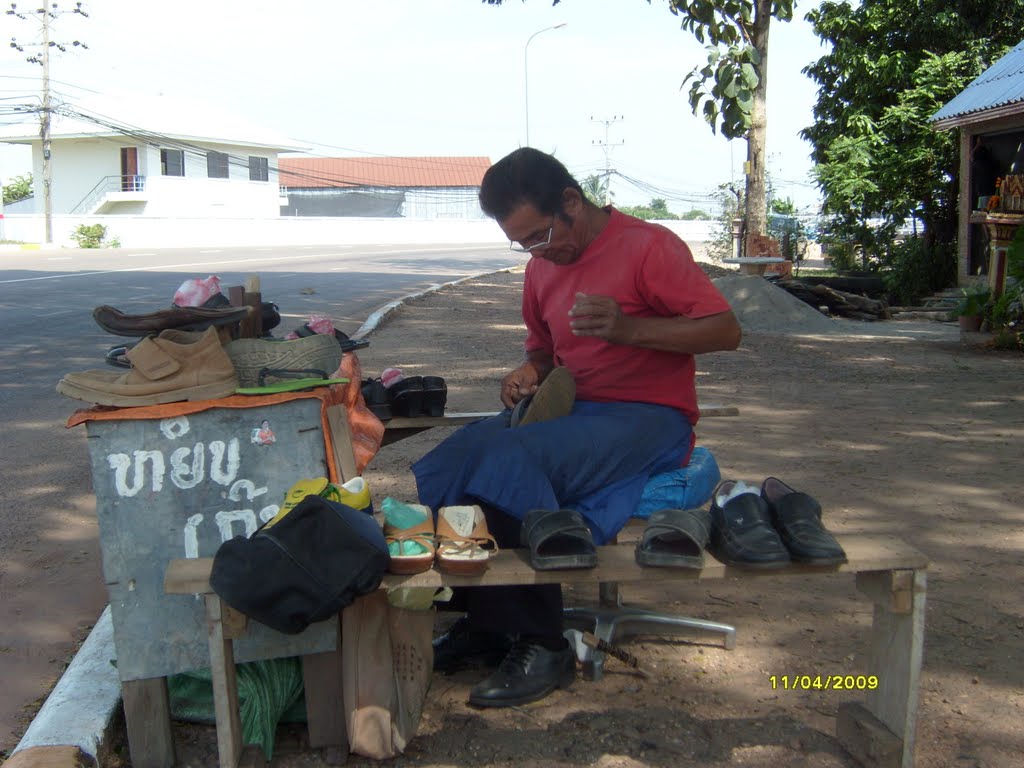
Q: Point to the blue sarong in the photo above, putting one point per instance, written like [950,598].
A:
[595,460]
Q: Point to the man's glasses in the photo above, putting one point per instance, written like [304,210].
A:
[540,245]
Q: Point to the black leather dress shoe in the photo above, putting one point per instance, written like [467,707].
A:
[463,645]
[797,517]
[742,532]
[528,672]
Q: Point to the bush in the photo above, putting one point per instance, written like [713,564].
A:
[89,235]
[915,271]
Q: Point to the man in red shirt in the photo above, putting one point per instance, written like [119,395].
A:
[622,305]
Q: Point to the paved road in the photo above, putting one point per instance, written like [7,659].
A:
[51,588]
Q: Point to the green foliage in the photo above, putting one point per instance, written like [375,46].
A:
[893,64]
[695,214]
[723,90]
[596,189]
[658,209]
[89,235]
[913,270]
[972,301]
[1004,317]
[1015,257]
[19,188]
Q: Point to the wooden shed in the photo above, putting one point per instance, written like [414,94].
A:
[989,113]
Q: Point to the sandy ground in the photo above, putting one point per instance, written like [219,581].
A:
[897,428]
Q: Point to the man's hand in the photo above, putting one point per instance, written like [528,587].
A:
[599,316]
[521,382]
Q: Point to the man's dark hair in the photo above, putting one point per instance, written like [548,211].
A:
[526,175]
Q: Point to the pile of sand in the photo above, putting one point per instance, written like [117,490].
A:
[763,307]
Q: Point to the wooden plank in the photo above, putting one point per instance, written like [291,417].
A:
[895,655]
[615,563]
[341,442]
[867,738]
[325,712]
[225,687]
[455,418]
[147,715]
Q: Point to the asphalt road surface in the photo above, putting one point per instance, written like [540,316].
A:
[51,584]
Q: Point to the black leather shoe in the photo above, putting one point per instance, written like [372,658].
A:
[742,532]
[528,672]
[797,517]
[463,645]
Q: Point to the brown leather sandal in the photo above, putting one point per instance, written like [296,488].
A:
[464,544]
[422,534]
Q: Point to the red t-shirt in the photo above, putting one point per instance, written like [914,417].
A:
[650,272]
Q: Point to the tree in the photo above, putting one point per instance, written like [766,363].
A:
[19,188]
[893,64]
[596,189]
[657,209]
[730,90]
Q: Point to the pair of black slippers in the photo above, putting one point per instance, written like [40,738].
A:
[411,397]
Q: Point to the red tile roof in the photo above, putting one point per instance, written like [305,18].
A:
[382,171]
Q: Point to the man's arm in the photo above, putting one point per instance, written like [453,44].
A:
[602,316]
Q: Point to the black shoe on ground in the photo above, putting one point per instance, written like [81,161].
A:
[463,645]
[528,672]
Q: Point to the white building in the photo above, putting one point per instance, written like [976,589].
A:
[152,157]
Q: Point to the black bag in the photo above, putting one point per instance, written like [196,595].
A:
[309,565]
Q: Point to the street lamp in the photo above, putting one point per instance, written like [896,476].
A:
[526,74]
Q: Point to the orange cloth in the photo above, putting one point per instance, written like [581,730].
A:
[366,429]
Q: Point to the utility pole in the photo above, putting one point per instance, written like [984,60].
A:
[45,14]
[607,148]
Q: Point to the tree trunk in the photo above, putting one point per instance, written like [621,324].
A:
[756,216]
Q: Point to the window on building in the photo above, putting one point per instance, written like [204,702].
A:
[216,165]
[259,169]
[172,162]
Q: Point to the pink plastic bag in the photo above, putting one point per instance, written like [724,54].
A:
[317,324]
[196,291]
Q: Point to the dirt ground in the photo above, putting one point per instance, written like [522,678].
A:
[896,428]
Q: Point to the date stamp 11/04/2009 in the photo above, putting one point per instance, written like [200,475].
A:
[823,682]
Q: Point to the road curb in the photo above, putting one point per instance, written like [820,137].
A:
[378,317]
[79,710]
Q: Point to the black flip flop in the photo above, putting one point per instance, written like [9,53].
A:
[558,539]
[675,538]
[347,344]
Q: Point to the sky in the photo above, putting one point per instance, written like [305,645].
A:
[438,78]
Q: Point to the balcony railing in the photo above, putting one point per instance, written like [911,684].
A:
[107,185]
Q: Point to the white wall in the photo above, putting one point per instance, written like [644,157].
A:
[173,232]
[78,165]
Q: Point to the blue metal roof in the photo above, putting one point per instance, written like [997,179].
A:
[1000,84]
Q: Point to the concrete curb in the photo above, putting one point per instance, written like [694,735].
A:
[79,710]
[77,715]
[378,317]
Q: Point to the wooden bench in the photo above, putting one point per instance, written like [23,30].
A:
[878,732]
[889,572]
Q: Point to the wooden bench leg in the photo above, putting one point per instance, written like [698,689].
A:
[225,684]
[325,712]
[896,649]
[147,716]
